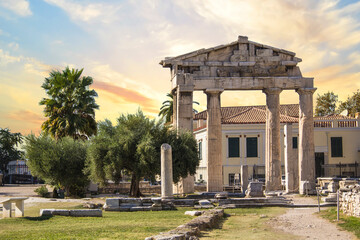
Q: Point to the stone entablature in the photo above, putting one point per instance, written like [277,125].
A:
[239,65]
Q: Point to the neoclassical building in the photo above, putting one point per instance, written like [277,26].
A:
[244,65]
[243,133]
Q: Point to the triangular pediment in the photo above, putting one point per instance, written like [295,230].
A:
[242,58]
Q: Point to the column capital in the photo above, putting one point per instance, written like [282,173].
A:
[213,90]
[185,88]
[302,91]
[272,91]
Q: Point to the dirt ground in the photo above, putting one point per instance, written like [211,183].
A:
[305,224]
[298,221]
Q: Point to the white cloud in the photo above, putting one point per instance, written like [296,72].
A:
[79,11]
[6,58]
[13,46]
[30,65]
[19,7]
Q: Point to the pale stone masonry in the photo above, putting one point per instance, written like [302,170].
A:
[291,162]
[243,65]
[306,141]
[166,172]
[214,138]
[272,140]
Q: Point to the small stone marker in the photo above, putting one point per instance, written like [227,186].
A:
[255,189]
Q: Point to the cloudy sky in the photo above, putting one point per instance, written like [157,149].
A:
[120,44]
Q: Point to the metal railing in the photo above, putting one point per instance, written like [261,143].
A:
[345,123]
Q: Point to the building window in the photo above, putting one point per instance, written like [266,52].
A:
[336,147]
[201,177]
[234,147]
[251,147]
[200,150]
[231,179]
[295,142]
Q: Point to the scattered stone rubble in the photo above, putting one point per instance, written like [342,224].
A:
[191,230]
[350,199]
[71,213]
[92,205]
[138,204]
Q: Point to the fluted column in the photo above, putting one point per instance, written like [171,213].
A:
[214,146]
[306,141]
[272,140]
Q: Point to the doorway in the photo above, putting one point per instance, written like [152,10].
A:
[319,162]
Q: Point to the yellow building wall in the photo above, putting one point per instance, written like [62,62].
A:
[350,136]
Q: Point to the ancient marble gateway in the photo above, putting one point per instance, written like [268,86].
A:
[244,65]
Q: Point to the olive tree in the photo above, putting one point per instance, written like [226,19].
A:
[133,146]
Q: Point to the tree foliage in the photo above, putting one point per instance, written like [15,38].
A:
[326,104]
[8,143]
[59,163]
[71,106]
[167,109]
[352,104]
[133,146]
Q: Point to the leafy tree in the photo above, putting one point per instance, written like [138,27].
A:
[8,143]
[352,104]
[166,110]
[71,106]
[59,163]
[133,146]
[326,104]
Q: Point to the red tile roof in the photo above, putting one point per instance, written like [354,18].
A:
[289,113]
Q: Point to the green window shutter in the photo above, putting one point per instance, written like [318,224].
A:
[336,147]
[234,147]
[251,147]
[295,142]
[200,150]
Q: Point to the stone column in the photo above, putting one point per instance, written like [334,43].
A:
[272,140]
[244,177]
[306,141]
[291,162]
[184,111]
[166,172]
[214,146]
[184,122]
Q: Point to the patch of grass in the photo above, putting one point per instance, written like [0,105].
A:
[248,223]
[348,223]
[113,225]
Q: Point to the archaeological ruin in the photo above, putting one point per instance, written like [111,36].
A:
[245,65]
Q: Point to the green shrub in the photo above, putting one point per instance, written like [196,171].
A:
[42,191]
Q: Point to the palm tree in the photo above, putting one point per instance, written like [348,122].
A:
[166,110]
[71,106]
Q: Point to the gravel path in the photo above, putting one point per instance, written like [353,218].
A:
[304,223]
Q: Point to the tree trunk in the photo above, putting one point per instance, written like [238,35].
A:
[135,186]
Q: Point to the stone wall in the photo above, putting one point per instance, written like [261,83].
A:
[350,200]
